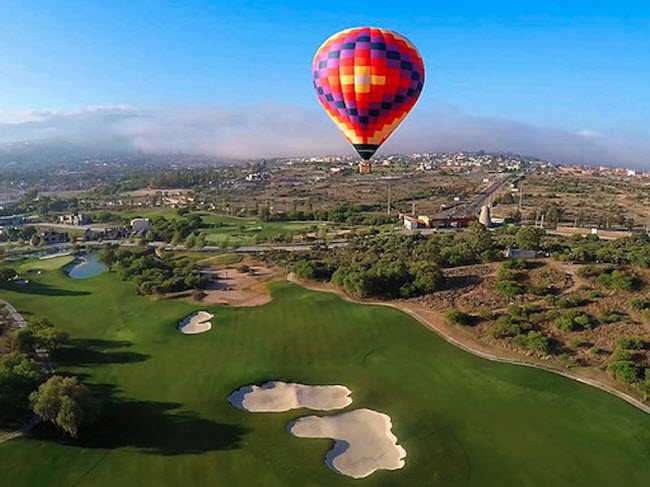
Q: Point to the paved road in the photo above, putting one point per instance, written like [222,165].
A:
[15,315]
[166,246]
[472,207]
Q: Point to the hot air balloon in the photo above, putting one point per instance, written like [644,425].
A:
[367,79]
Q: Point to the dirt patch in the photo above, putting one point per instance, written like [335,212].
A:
[474,288]
[244,285]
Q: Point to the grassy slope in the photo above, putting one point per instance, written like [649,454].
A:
[462,420]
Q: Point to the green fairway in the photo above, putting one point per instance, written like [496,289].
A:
[45,264]
[244,231]
[461,419]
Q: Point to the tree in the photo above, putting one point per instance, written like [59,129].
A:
[459,317]
[66,402]
[19,376]
[39,333]
[509,288]
[200,241]
[190,241]
[478,238]
[176,238]
[108,256]
[6,274]
[529,238]
[264,213]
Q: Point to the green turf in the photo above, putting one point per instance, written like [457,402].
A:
[45,264]
[243,231]
[462,420]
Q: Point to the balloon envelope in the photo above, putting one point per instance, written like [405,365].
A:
[367,79]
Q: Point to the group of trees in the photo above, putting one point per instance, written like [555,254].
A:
[174,231]
[385,278]
[394,265]
[634,250]
[6,275]
[343,213]
[20,375]
[150,274]
[39,333]
[25,386]
[18,234]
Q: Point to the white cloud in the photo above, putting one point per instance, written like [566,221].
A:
[280,130]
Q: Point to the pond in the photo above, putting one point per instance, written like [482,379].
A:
[85,266]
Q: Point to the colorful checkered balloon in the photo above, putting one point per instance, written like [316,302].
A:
[367,79]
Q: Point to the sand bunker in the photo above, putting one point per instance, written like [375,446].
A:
[279,396]
[233,288]
[363,438]
[196,323]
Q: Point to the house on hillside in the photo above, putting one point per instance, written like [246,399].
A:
[49,237]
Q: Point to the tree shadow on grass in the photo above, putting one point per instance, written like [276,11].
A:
[156,428]
[41,289]
[85,352]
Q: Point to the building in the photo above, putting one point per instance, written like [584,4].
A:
[140,225]
[520,254]
[49,237]
[76,219]
[117,233]
[413,222]
[11,220]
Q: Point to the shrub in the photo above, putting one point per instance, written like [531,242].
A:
[573,320]
[610,316]
[550,299]
[618,280]
[514,264]
[534,341]
[639,304]
[595,294]
[571,302]
[509,288]
[630,343]
[590,271]
[459,317]
[505,326]
[624,371]
[486,314]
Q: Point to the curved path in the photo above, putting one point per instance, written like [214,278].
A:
[438,329]
[21,323]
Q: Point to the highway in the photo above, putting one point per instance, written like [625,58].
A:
[472,207]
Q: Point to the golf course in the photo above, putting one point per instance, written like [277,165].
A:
[165,419]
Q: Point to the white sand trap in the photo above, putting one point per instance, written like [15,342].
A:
[363,438]
[198,322]
[277,396]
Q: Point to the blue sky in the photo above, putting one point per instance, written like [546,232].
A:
[571,66]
